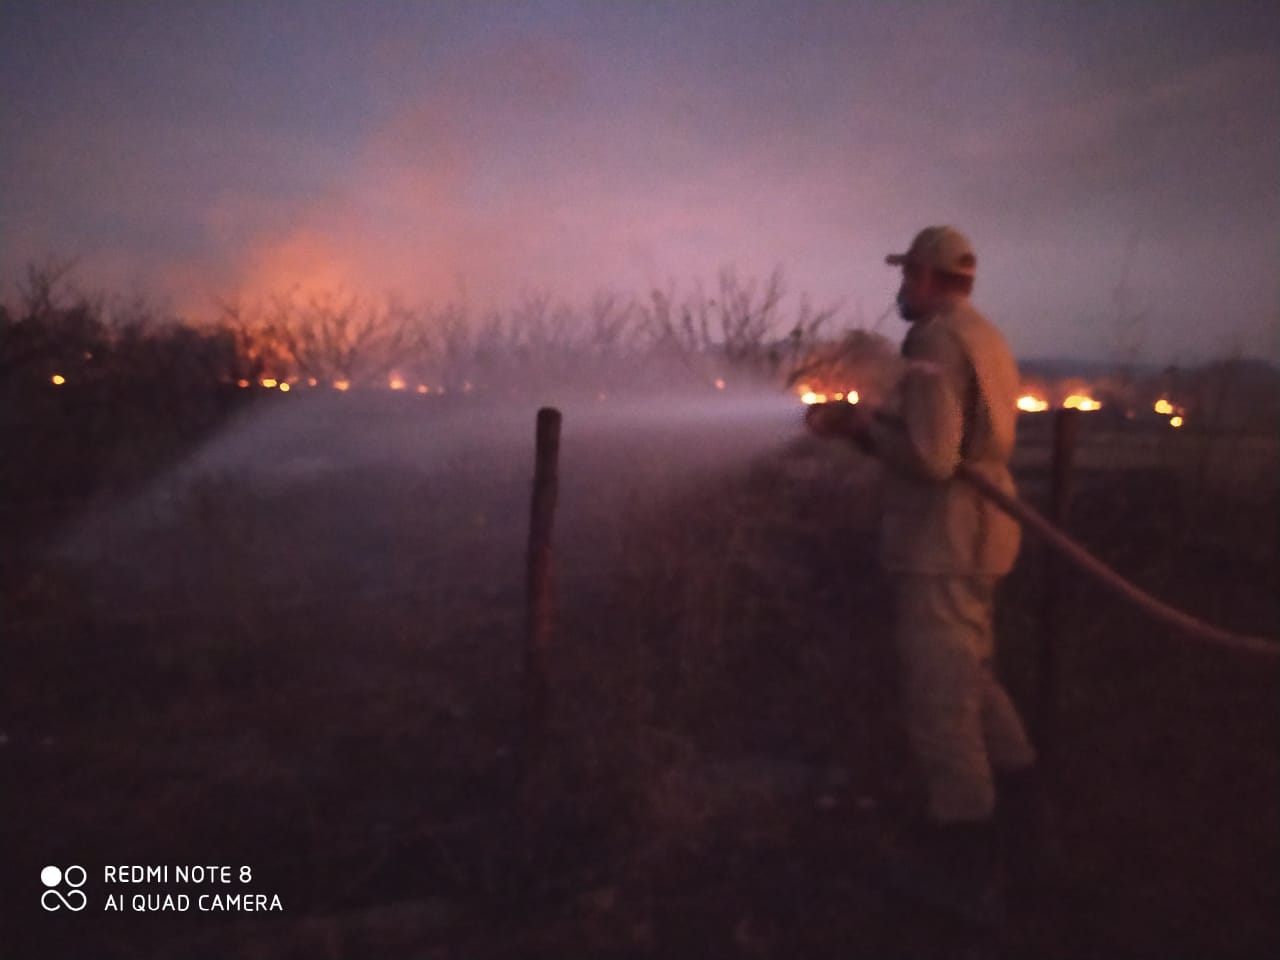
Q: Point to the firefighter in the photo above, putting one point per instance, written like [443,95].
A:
[945,548]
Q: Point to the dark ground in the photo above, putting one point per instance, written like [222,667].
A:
[724,753]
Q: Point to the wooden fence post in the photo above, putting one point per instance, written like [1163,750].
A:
[1066,425]
[539,598]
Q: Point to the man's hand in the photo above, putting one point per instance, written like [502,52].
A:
[839,419]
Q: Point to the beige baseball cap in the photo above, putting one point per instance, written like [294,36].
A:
[939,248]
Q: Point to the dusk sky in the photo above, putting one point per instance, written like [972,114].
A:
[1104,158]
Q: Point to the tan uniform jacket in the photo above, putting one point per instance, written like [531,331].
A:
[957,400]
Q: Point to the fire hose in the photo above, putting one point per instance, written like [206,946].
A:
[1108,578]
[1074,552]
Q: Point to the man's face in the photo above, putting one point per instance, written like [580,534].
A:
[916,295]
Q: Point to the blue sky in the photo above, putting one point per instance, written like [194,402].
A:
[1104,158]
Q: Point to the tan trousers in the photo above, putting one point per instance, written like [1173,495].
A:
[960,722]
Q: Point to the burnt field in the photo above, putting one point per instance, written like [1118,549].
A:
[299,649]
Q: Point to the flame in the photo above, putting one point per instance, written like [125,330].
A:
[395,383]
[1032,404]
[268,382]
[1078,401]
[311,381]
[809,396]
[57,379]
[423,388]
[284,388]
[719,383]
[342,385]
[1163,407]
[242,384]
[1175,421]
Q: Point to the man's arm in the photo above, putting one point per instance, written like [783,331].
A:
[925,440]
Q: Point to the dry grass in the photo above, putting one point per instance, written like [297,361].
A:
[720,668]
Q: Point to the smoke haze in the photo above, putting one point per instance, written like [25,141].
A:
[1107,161]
